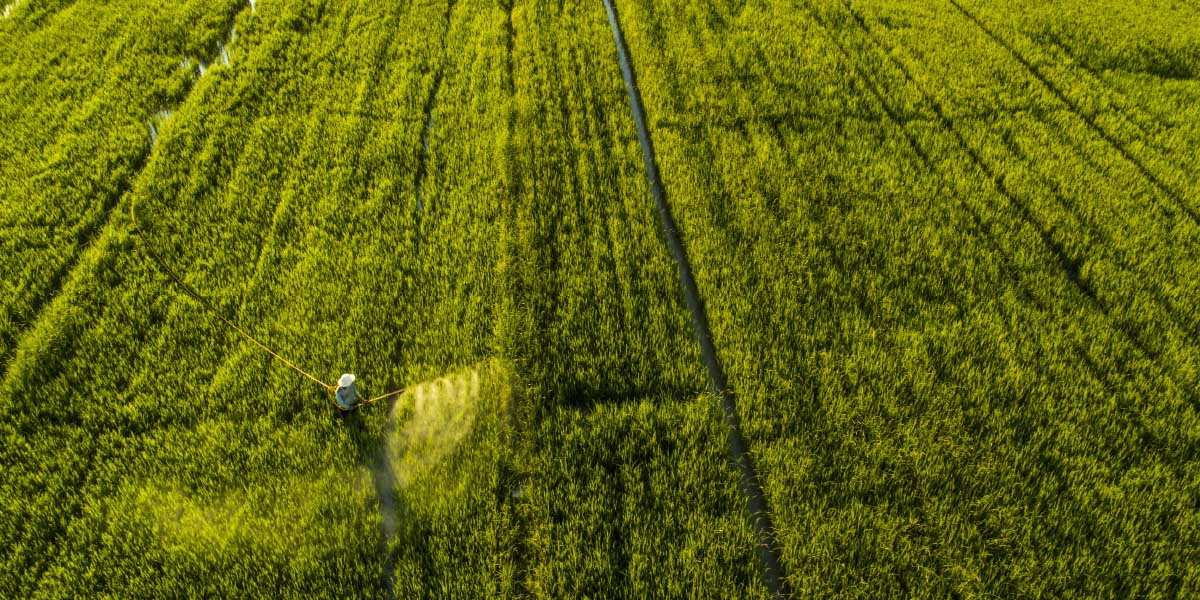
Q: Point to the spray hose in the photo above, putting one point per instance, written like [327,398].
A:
[162,266]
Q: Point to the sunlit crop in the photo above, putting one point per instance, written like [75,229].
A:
[947,252]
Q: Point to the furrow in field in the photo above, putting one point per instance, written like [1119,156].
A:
[383,478]
[1069,267]
[1067,263]
[392,512]
[447,450]
[1147,123]
[614,436]
[73,159]
[391,506]
[908,352]
[85,236]
[768,553]
[1075,229]
[1122,148]
[1122,63]
[419,177]
[117,358]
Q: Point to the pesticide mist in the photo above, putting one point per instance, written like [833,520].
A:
[432,420]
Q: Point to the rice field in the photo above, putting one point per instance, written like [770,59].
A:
[872,299]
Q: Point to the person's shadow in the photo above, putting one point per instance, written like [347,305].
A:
[370,433]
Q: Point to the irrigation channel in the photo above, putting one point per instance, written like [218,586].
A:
[760,518]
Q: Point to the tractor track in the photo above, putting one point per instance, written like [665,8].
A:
[1068,264]
[380,462]
[70,271]
[1121,148]
[510,38]
[767,548]
[1089,296]
[423,156]
[1008,264]
[376,454]
[382,470]
[1127,108]
[89,233]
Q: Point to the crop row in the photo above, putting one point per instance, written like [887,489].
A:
[630,493]
[540,248]
[962,364]
[953,303]
[77,89]
[157,454]
[556,445]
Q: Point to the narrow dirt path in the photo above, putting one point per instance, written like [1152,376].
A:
[760,518]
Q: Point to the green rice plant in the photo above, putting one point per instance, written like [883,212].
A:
[954,369]
[74,107]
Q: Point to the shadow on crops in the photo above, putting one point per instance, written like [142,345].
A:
[1067,263]
[586,398]
[371,448]
[1071,207]
[1147,58]
[1116,144]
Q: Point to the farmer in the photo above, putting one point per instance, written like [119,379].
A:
[346,396]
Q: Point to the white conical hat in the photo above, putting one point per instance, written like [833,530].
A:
[346,379]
